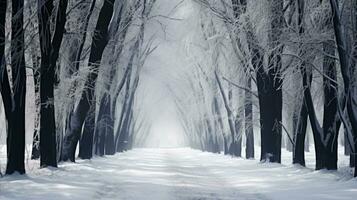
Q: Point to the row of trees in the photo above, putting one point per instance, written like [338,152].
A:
[276,65]
[287,63]
[86,58]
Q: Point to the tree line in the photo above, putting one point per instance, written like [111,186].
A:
[278,67]
[85,58]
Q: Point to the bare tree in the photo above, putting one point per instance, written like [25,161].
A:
[77,117]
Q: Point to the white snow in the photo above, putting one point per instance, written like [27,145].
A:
[179,173]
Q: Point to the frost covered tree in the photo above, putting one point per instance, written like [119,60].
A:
[77,117]
[286,45]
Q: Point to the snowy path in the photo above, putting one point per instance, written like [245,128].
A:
[155,174]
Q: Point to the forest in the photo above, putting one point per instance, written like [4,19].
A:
[243,80]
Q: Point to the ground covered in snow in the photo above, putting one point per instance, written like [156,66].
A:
[179,173]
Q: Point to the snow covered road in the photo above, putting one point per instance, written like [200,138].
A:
[155,174]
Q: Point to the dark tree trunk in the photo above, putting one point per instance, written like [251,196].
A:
[270,103]
[345,143]
[59,31]
[49,55]
[330,124]
[84,37]
[346,69]
[301,125]
[16,136]
[6,97]
[3,6]
[248,113]
[315,125]
[353,66]
[86,142]
[269,88]
[300,135]
[100,139]
[47,115]
[270,91]
[4,79]
[100,41]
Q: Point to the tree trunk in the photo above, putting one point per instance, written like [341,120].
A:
[315,125]
[257,62]
[100,41]
[248,113]
[16,136]
[35,154]
[58,32]
[86,142]
[270,91]
[49,55]
[270,103]
[345,143]
[330,124]
[124,110]
[300,135]
[349,91]
[84,37]
[5,89]
[47,115]
[4,79]
[301,125]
